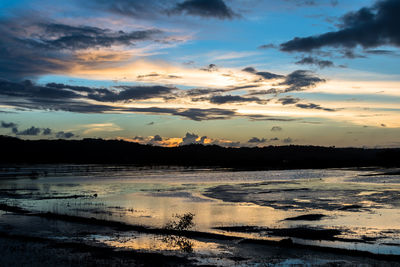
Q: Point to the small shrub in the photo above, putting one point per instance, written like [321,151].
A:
[183,222]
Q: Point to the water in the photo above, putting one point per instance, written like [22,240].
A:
[364,208]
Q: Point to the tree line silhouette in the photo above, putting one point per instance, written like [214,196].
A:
[100,151]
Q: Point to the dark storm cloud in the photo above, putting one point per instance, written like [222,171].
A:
[288,100]
[368,27]
[264,74]
[204,8]
[315,61]
[300,80]
[313,106]
[64,135]
[257,140]
[223,99]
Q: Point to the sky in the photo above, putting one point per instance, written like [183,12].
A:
[226,72]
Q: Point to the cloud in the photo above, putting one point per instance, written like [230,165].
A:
[368,27]
[313,2]
[347,53]
[62,36]
[129,93]
[276,129]
[137,9]
[8,124]
[204,8]
[264,92]
[43,47]
[47,131]
[81,99]
[30,131]
[150,123]
[225,143]
[199,91]
[287,140]
[64,135]
[73,98]
[380,52]
[154,9]
[259,117]
[223,99]
[264,74]
[267,46]
[300,80]
[210,68]
[288,100]
[313,106]
[315,61]
[101,127]
[12,125]
[34,131]
[257,140]
[157,138]
[205,114]
[191,138]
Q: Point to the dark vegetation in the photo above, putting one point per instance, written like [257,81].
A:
[181,223]
[121,152]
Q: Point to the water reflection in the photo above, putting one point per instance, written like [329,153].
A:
[218,198]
